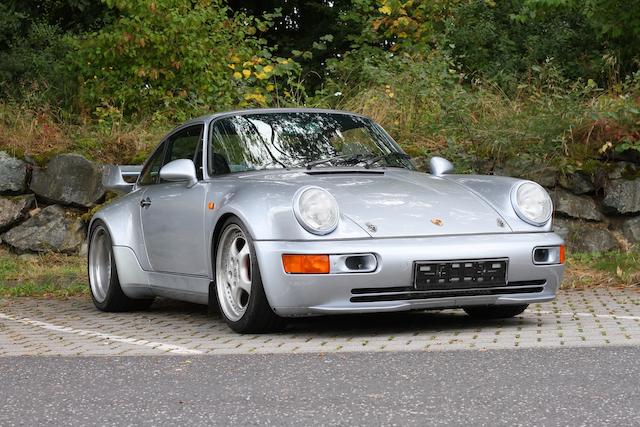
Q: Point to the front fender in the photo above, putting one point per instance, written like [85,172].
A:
[496,190]
[267,212]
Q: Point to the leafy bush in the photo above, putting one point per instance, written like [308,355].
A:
[31,69]
[492,41]
[181,57]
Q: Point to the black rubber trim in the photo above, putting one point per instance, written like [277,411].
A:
[404,293]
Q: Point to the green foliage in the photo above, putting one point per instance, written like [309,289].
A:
[479,81]
[180,56]
[493,42]
[32,68]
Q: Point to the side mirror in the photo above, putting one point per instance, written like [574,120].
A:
[179,170]
[440,166]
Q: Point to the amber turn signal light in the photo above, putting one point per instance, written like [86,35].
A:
[306,264]
[561,254]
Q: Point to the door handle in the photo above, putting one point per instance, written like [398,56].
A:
[145,203]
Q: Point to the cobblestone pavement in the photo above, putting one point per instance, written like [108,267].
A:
[600,317]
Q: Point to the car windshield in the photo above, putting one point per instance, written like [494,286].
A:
[247,142]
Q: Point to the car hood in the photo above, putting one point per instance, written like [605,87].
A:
[399,203]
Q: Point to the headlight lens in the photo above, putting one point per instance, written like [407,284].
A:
[316,210]
[532,203]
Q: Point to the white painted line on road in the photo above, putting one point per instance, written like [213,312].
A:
[578,314]
[171,348]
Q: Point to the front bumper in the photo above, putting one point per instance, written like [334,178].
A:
[388,288]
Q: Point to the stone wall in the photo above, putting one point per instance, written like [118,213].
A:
[41,209]
[593,211]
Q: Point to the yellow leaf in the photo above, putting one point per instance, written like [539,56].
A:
[268,69]
[237,75]
[246,73]
[261,76]
[232,66]
[385,9]
[235,58]
[270,87]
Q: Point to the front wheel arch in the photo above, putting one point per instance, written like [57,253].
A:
[261,318]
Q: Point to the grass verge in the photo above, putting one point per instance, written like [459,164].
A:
[45,275]
[62,276]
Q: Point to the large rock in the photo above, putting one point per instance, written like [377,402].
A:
[619,170]
[582,207]
[525,168]
[631,229]
[582,236]
[51,230]
[69,179]
[577,183]
[13,174]
[622,196]
[563,227]
[14,209]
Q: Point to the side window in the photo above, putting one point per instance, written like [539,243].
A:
[151,171]
[186,144]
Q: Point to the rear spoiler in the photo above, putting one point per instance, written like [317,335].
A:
[120,178]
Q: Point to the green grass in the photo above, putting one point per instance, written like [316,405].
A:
[47,275]
[616,268]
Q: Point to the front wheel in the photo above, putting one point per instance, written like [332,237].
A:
[241,297]
[106,293]
[495,311]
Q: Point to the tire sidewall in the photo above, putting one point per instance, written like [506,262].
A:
[257,298]
[113,277]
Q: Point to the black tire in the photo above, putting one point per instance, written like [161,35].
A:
[495,311]
[115,299]
[258,316]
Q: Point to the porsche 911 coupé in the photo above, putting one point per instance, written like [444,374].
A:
[277,213]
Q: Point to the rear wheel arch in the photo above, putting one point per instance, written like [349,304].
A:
[111,297]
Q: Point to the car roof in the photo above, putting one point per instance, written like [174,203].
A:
[208,117]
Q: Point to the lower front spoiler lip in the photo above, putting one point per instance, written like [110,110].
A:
[440,303]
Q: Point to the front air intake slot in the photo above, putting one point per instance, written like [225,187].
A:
[404,293]
[360,262]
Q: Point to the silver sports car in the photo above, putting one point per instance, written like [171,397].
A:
[277,213]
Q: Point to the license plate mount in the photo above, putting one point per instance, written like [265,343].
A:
[460,274]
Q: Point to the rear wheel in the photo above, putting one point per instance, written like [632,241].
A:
[106,293]
[495,311]
[239,289]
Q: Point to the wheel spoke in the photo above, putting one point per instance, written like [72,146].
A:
[237,296]
[244,283]
[233,250]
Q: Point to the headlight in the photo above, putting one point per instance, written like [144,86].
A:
[532,203]
[316,210]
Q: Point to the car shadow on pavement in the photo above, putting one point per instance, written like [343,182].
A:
[419,321]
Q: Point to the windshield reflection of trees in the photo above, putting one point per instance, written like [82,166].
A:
[291,140]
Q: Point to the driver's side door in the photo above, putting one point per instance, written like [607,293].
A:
[172,213]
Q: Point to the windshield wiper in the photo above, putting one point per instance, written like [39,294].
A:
[345,158]
[389,156]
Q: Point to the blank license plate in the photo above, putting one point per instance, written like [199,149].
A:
[460,274]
